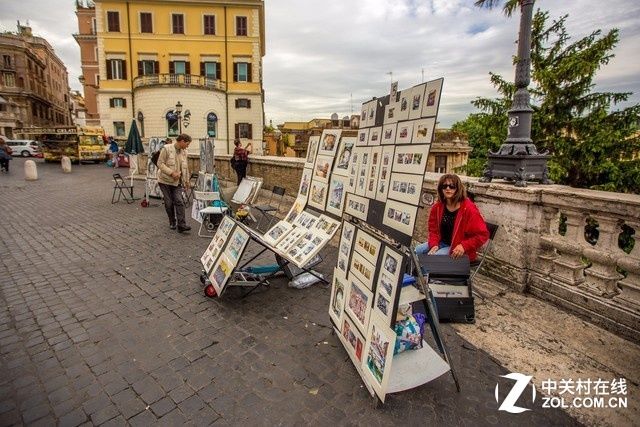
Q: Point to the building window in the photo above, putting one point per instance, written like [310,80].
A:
[146,25]
[243,103]
[117,102]
[177,23]
[210,70]
[441,164]
[147,67]
[118,128]
[113,22]
[93,26]
[241,25]
[209,24]
[212,125]
[9,79]
[242,72]
[179,67]
[172,124]
[116,69]
[243,130]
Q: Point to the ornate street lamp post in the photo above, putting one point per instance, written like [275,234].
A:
[179,116]
[518,158]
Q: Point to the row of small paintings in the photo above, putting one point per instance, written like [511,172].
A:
[419,131]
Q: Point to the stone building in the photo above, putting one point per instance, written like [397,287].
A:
[296,134]
[34,84]
[449,152]
[78,109]
[178,66]
[87,39]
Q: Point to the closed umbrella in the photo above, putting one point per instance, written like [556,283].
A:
[133,147]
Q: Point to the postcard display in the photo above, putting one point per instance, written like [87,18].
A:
[151,182]
[383,183]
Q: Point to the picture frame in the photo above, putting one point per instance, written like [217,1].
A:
[277,233]
[307,247]
[388,285]
[196,207]
[247,191]
[416,101]
[344,254]
[337,194]
[354,167]
[237,242]
[391,113]
[305,183]
[368,246]
[327,225]
[339,289]
[296,208]
[432,94]
[405,188]
[410,159]
[329,141]
[358,304]
[290,239]
[352,340]
[306,220]
[357,206]
[400,216]
[210,255]
[312,151]
[375,135]
[363,137]
[344,156]
[318,194]
[362,269]
[388,134]
[404,132]
[371,183]
[386,164]
[322,168]
[378,356]
[403,105]
[368,115]
[363,172]
[423,131]
[348,231]
[220,273]
[225,226]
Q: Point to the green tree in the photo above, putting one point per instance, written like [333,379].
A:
[591,144]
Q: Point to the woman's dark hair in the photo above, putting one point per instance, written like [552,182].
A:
[236,142]
[461,192]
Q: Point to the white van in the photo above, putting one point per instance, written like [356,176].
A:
[24,147]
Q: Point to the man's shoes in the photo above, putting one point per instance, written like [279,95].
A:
[183,229]
[172,226]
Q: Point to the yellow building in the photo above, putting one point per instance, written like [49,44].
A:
[202,58]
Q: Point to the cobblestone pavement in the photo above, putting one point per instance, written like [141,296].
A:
[103,321]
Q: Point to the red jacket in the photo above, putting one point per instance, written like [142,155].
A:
[469,229]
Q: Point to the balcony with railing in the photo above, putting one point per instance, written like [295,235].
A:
[182,80]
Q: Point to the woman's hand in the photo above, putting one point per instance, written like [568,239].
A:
[433,250]
[457,252]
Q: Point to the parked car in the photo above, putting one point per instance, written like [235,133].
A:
[24,147]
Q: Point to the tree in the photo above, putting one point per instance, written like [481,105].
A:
[592,145]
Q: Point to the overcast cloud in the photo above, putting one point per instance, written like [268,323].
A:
[326,56]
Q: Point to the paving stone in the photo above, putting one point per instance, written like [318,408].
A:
[163,406]
[73,418]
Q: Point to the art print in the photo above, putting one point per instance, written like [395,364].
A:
[358,305]
[305,183]
[388,134]
[410,159]
[348,231]
[210,255]
[362,269]
[363,138]
[306,220]
[362,176]
[386,164]
[416,100]
[295,210]
[295,247]
[432,98]
[329,142]
[391,113]
[225,226]
[402,112]
[375,135]
[220,273]
[322,168]
[318,195]
[306,248]
[405,188]
[357,206]
[345,156]
[196,207]
[400,216]
[368,246]
[327,225]
[371,182]
[352,339]
[338,297]
[378,355]
[312,151]
[337,194]
[423,130]
[290,239]
[371,119]
[277,233]
[388,284]
[237,242]
[367,117]
[404,132]
[247,190]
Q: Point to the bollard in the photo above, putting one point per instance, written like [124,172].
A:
[30,171]
[66,164]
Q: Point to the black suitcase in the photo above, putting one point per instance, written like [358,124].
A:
[450,286]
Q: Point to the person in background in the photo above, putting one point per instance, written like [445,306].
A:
[173,179]
[456,226]
[113,149]
[5,155]
[240,159]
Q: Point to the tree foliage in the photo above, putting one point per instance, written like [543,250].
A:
[592,145]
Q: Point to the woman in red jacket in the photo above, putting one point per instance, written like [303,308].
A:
[456,226]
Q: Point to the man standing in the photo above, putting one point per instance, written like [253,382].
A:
[240,159]
[173,176]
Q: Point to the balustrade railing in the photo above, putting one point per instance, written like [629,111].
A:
[189,80]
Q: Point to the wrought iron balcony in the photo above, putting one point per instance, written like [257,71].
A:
[184,80]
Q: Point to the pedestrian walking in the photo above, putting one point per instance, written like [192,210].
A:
[240,159]
[5,155]
[173,179]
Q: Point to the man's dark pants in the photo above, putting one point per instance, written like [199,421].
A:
[241,171]
[173,203]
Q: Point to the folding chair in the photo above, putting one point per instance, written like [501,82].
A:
[122,188]
[265,210]
[209,197]
[193,180]
[477,264]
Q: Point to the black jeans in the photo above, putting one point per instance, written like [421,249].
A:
[4,164]
[241,171]
[173,203]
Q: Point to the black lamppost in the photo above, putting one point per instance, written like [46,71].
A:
[179,116]
[518,158]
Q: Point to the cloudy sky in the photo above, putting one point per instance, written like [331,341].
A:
[326,56]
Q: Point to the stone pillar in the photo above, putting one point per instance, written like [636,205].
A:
[569,268]
[602,276]
[549,228]
[30,170]
[630,285]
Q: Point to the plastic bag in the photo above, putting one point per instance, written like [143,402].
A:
[305,280]
[409,333]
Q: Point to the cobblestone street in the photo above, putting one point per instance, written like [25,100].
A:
[103,321]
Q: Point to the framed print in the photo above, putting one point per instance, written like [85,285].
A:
[405,188]
[352,339]
[277,233]
[247,191]
[353,168]
[338,297]
[296,208]
[363,137]
[368,246]
[388,134]
[400,216]
[423,130]
[348,231]
[375,135]
[410,159]
[371,114]
[416,100]
[306,220]
[345,156]
[432,98]
[237,242]
[312,151]
[290,239]
[402,112]
[210,255]
[196,207]
[225,226]
[387,285]
[385,173]
[378,356]
[391,113]
[363,172]
[358,304]
[363,117]
[357,206]
[329,142]
[309,245]
[362,269]
[343,264]
[404,132]
[337,194]
[220,273]
[327,225]
[372,173]
[305,183]
[318,195]
[322,168]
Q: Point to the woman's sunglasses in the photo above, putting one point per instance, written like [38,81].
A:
[449,186]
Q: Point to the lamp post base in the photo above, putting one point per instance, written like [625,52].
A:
[518,168]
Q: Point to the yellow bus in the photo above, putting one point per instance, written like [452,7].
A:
[79,143]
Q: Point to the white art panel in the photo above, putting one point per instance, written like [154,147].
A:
[404,132]
[432,98]
[400,216]
[375,135]
[423,130]
[416,101]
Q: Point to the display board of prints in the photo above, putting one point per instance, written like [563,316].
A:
[151,182]
[387,165]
